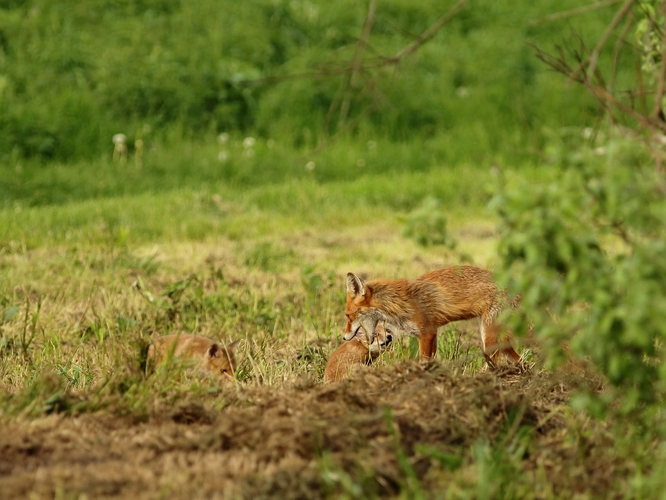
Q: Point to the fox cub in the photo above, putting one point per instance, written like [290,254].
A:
[423,304]
[357,352]
[202,353]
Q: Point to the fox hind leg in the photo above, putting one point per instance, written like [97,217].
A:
[489,334]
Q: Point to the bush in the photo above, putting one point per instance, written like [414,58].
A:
[588,255]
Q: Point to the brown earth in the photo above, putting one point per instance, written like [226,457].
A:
[309,440]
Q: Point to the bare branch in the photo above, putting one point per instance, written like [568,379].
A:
[611,27]
[658,111]
[618,49]
[357,63]
[603,95]
[427,34]
[572,12]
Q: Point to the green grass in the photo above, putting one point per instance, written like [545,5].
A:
[218,208]
[100,272]
[189,165]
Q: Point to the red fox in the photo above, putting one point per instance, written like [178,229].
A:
[356,352]
[206,355]
[428,302]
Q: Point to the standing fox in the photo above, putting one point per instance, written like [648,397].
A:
[357,352]
[428,302]
[204,354]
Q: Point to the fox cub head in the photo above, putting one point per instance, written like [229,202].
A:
[357,352]
[220,360]
[195,352]
[384,334]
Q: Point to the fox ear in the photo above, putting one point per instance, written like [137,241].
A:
[355,285]
[230,347]
[213,351]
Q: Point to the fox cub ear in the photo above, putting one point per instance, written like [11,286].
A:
[355,285]
[230,347]
[213,351]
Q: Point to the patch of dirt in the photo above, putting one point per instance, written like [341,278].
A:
[272,442]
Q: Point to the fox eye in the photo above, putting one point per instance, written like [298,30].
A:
[224,371]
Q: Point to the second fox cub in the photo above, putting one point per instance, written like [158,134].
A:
[203,353]
[357,352]
[428,302]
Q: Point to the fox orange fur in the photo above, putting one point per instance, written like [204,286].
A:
[429,302]
[205,355]
[357,352]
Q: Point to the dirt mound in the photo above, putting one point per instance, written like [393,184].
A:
[371,435]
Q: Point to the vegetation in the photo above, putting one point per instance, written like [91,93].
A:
[268,148]
[172,76]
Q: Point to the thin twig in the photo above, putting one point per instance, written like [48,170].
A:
[358,67]
[641,89]
[372,64]
[618,50]
[658,112]
[611,27]
[572,12]
[427,34]
[604,96]
[357,63]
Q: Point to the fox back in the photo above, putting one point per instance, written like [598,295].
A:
[203,353]
[437,297]
[357,352]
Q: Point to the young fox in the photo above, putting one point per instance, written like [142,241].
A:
[206,355]
[428,302]
[356,352]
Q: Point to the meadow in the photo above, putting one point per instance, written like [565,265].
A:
[86,285]
[271,147]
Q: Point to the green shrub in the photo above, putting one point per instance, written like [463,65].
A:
[587,254]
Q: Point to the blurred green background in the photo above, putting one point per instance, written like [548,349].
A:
[175,75]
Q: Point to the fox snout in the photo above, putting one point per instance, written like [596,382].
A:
[365,324]
[350,335]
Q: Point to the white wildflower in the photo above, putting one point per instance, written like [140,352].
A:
[119,139]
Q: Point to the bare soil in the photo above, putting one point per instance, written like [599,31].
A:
[308,440]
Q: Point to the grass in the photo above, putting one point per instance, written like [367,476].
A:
[264,262]
[86,284]
[210,209]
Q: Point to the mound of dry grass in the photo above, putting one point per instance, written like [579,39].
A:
[407,427]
